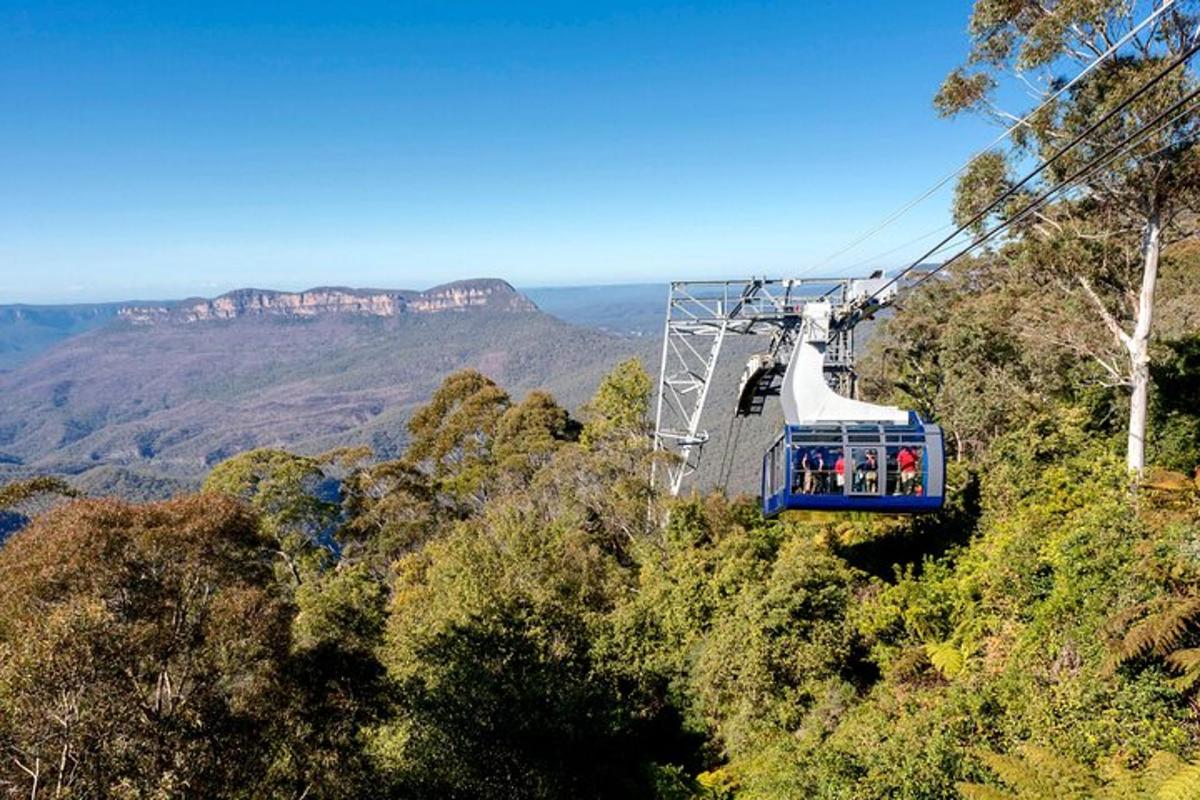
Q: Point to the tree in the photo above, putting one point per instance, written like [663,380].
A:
[605,478]
[23,499]
[32,488]
[335,686]
[490,644]
[619,409]
[452,435]
[1103,249]
[336,692]
[391,509]
[954,353]
[293,503]
[529,433]
[141,651]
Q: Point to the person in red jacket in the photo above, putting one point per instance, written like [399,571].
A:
[906,462]
[840,469]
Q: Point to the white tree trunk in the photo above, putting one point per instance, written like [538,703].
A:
[1138,345]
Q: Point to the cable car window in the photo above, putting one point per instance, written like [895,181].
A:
[866,470]
[835,470]
[780,466]
[816,471]
[905,470]
[817,439]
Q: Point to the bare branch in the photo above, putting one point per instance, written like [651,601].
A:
[1109,320]
[1086,40]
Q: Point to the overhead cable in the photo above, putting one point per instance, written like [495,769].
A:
[895,215]
[1058,154]
[1091,166]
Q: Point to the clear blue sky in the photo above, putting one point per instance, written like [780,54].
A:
[160,149]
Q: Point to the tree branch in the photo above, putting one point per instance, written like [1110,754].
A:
[1109,320]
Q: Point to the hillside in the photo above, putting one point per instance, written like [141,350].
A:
[29,330]
[171,393]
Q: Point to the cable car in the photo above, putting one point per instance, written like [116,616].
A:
[840,454]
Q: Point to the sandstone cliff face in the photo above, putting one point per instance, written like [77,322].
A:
[493,295]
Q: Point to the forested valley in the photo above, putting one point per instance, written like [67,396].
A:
[511,610]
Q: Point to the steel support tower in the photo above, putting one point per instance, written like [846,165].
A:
[701,314]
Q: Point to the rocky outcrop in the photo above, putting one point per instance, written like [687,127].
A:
[489,294]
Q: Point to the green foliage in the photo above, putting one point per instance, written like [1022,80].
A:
[1038,773]
[515,614]
[1089,263]
[141,651]
[489,641]
[339,690]
[961,353]
[619,410]
[1176,442]
[285,491]
[23,499]
[390,509]
[23,491]
[529,433]
[984,181]
[1183,784]
[452,435]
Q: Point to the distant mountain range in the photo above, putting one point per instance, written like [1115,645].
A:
[142,399]
[26,331]
[495,295]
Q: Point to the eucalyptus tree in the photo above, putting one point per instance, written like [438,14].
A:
[143,650]
[1098,252]
[452,436]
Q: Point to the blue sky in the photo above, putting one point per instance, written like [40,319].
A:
[161,149]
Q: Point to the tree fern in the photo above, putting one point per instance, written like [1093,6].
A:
[977,791]
[1041,774]
[1187,663]
[946,657]
[1167,634]
[1036,774]
[1163,631]
[1124,783]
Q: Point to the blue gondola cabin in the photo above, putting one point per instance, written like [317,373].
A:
[856,466]
[841,454]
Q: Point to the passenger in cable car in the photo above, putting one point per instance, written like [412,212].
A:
[825,476]
[906,462]
[814,466]
[866,472]
[839,467]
